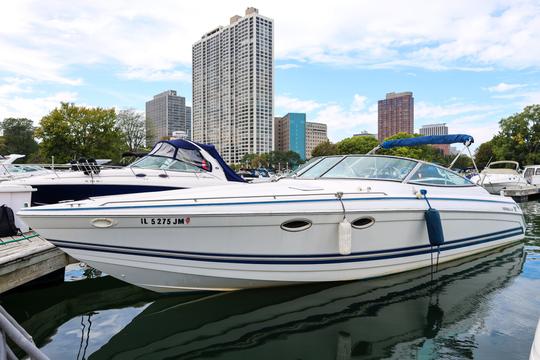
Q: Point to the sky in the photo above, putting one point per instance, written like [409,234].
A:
[468,63]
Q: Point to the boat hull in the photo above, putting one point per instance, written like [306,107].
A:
[246,250]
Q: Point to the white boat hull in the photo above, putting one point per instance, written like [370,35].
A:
[247,247]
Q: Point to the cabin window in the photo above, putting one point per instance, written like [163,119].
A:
[435,175]
[163,149]
[193,157]
[530,172]
[538,171]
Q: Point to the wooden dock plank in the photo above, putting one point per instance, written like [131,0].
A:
[26,259]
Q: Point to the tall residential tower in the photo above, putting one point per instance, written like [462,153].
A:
[233,86]
[396,114]
[165,114]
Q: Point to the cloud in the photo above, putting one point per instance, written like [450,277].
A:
[155,75]
[35,107]
[424,110]
[503,87]
[289,104]
[287,66]
[45,41]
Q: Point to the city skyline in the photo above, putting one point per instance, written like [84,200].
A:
[472,66]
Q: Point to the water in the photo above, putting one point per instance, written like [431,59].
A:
[483,307]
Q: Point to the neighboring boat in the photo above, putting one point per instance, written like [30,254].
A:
[343,217]
[11,171]
[172,164]
[500,175]
[531,173]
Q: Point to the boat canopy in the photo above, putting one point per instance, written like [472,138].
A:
[180,144]
[429,140]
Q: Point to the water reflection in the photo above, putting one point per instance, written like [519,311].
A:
[398,315]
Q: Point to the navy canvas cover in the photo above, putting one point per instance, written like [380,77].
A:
[428,140]
[211,149]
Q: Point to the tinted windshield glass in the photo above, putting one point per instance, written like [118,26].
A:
[434,175]
[163,163]
[321,167]
[372,167]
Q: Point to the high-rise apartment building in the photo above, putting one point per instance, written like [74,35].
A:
[316,133]
[437,129]
[396,114]
[233,92]
[188,122]
[166,113]
[290,133]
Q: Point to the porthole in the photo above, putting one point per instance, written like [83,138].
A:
[363,222]
[296,225]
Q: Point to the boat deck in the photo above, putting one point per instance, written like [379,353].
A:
[28,257]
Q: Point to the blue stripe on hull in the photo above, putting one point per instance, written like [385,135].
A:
[53,194]
[299,259]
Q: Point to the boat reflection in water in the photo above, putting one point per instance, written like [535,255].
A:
[401,316]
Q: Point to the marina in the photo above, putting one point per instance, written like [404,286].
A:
[329,229]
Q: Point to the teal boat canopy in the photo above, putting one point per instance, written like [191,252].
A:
[429,140]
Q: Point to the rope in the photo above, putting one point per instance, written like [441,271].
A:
[339,196]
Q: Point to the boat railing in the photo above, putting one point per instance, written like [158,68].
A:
[10,329]
[90,169]
[381,193]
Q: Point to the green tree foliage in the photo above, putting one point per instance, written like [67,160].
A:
[69,132]
[356,145]
[273,159]
[325,148]
[19,137]
[519,137]
[132,126]
[484,154]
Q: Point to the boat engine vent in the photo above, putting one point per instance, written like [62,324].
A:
[363,222]
[296,225]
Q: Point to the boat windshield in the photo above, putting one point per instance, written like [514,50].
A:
[361,167]
[164,156]
[164,163]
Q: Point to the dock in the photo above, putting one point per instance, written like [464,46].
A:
[522,193]
[27,257]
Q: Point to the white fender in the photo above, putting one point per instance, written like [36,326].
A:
[345,237]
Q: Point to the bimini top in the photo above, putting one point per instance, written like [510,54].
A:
[428,140]
[178,151]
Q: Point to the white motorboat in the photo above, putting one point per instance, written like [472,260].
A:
[531,173]
[500,175]
[10,171]
[341,218]
[172,164]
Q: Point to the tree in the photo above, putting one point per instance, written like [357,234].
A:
[19,136]
[132,126]
[324,149]
[519,137]
[356,145]
[69,132]
[422,152]
[484,154]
